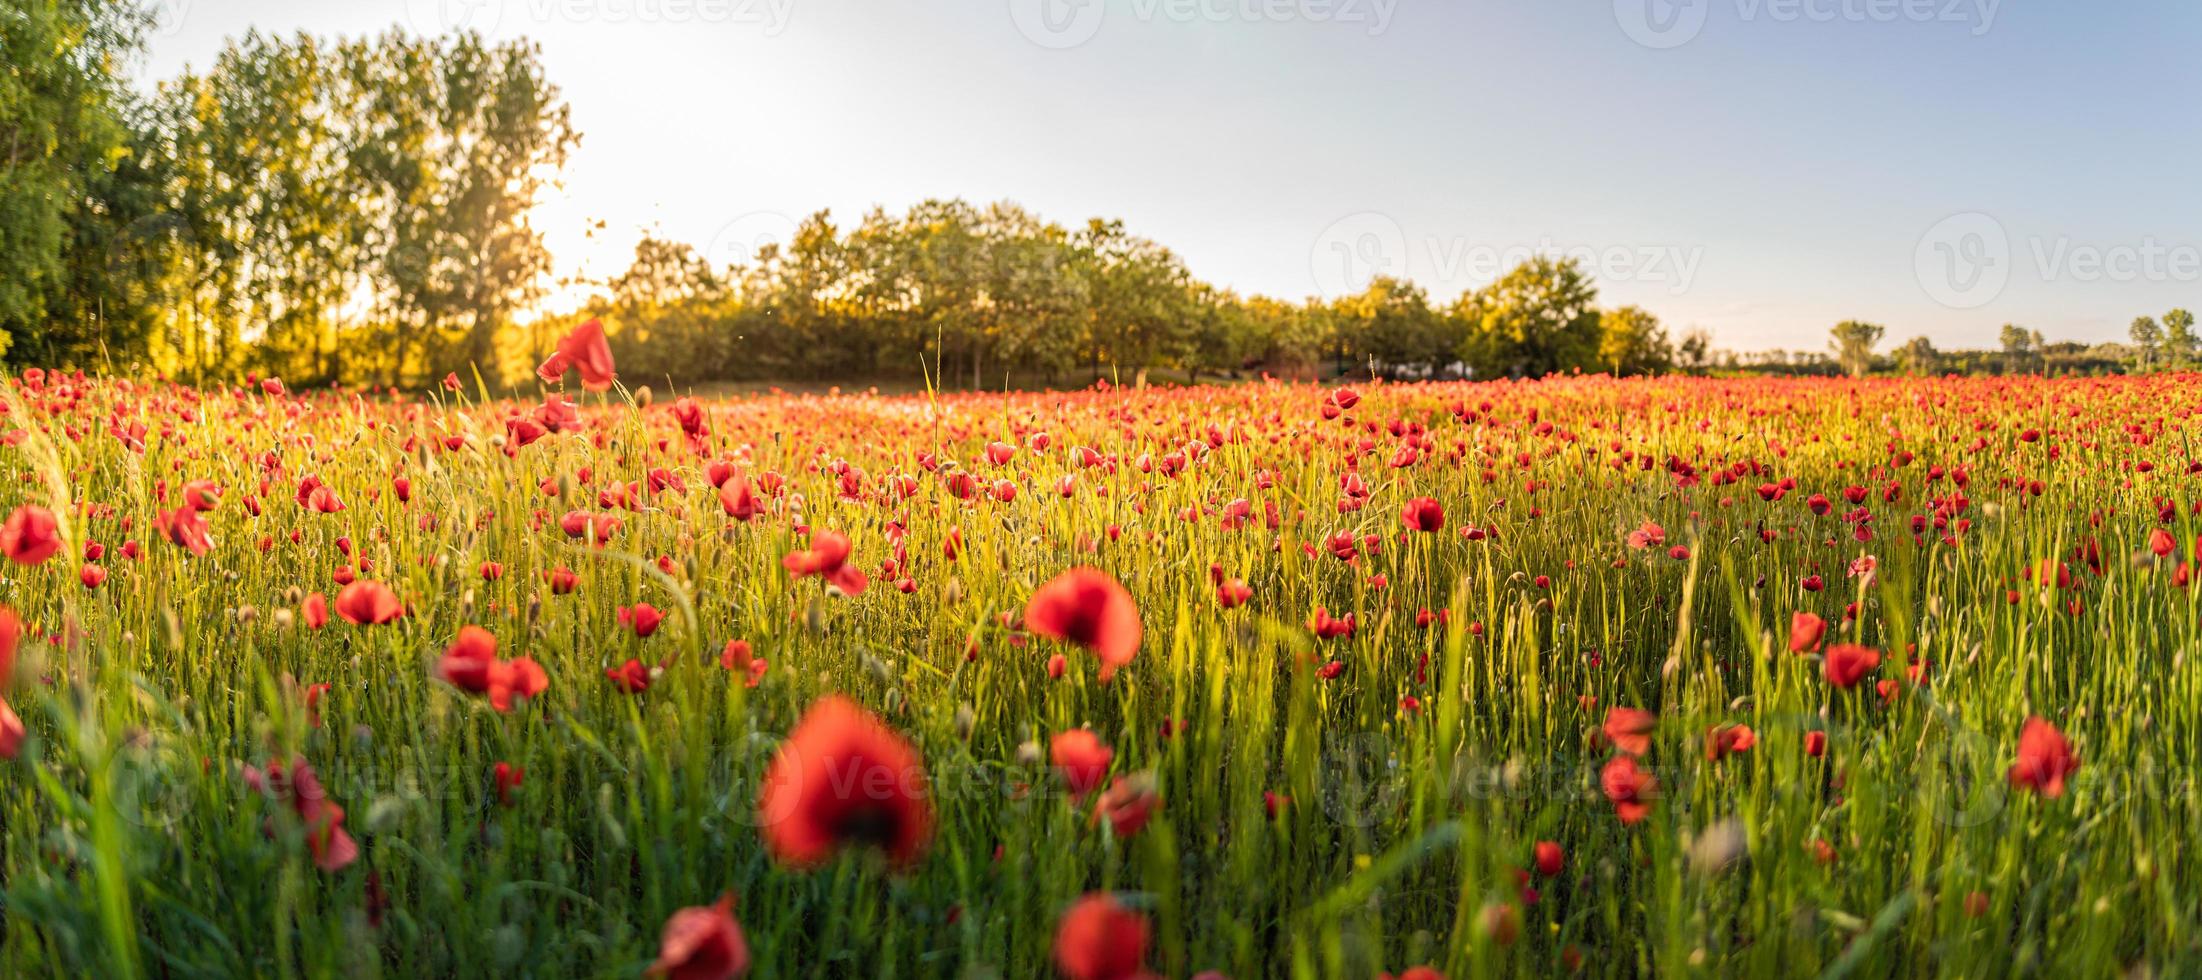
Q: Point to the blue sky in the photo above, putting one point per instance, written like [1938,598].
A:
[1760,168]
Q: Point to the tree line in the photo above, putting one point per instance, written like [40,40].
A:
[2169,345]
[356,211]
[321,209]
[979,296]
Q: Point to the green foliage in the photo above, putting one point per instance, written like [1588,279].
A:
[242,214]
[1540,318]
[1853,342]
[64,144]
[1631,341]
[1392,323]
[2179,338]
[1918,358]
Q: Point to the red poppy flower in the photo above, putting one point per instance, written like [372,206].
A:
[1100,939]
[736,655]
[702,943]
[184,528]
[1805,631]
[586,350]
[297,787]
[315,611]
[314,694]
[1649,535]
[1849,663]
[1630,729]
[2161,542]
[30,535]
[1081,759]
[1233,593]
[632,676]
[2044,759]
[1423,514]
[202,495]
[738,498]
[1724,740]
[1631,789]
[1129,803]
[471,665]
[466,661]
[12,731]
[1326,627]
[1087,607]
[827,558]
[643,618]
[844,779]
[367,602]
[508,779]
[1550,858]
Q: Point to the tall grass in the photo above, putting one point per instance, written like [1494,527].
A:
[131,846]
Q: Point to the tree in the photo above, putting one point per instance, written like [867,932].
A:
[1395,326]
[1696,350]
[2146,336]
[2018,349]
[2179,339]
[1141,299]
[1853,345]
[1631,341]
[1919,358]
[1291,339]
[666,314]
[1540,318]
[63,103]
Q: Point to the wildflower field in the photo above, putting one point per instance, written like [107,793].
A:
[1680,676]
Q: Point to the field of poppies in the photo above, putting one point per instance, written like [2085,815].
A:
[1679,676]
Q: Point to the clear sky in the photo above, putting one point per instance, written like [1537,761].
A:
[1760,168]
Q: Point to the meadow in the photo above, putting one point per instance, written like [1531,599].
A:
[1683,676]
